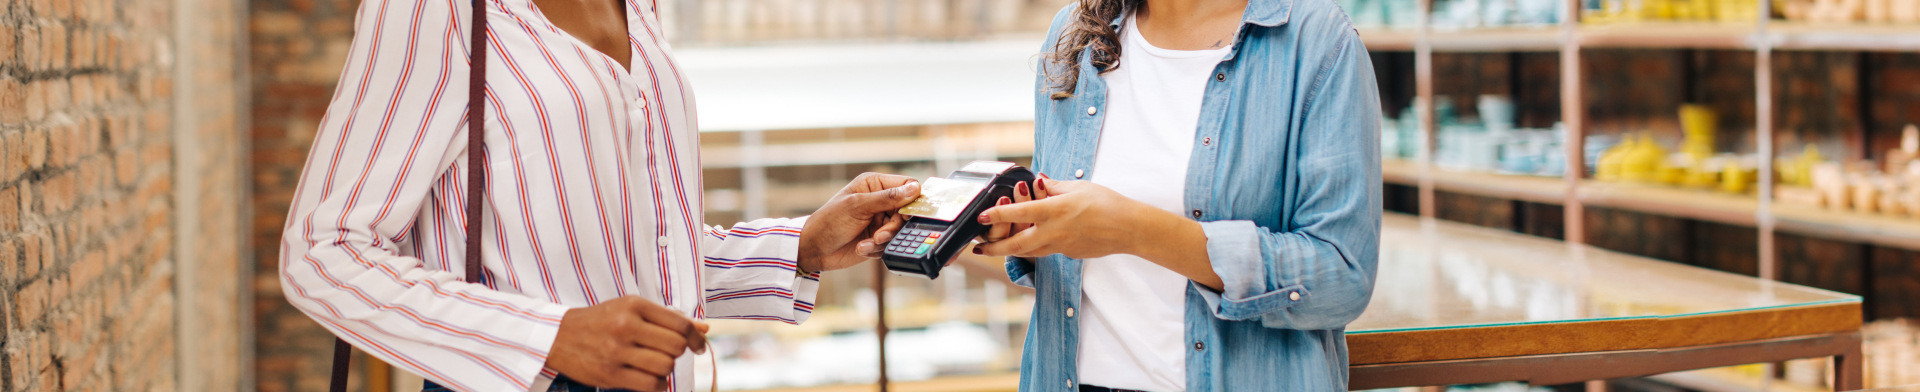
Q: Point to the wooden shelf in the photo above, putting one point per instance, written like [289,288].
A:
[1877,229]
[1548,190]
[1729,379]
[1389,40]
[1703,205]
[1693,204]
[1658,35]
[1828,36]
[1668,35]
[1504,39]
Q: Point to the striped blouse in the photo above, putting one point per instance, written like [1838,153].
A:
[593,192]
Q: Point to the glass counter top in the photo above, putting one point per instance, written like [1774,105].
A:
[1442,275]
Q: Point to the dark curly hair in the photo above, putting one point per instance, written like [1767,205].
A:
[1090,30]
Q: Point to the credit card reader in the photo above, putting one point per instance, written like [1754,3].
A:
[947,216]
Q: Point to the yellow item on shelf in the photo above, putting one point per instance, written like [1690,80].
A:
[1699,124]
[1735,178]
[1645,162]
[1799,171]
[1698,121]
[1611,159]
[1701,175]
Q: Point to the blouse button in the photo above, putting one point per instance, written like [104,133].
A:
[1092,110]
[1081,173]
[663,241]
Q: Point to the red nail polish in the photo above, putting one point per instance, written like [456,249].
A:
[1042,184]
[1021,189]
[985,219]
[1005,201]
[976,250]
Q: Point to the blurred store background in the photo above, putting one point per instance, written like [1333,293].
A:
[150,149]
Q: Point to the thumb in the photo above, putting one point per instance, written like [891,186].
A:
[884,200]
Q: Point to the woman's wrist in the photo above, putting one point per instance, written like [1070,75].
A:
[1174,242]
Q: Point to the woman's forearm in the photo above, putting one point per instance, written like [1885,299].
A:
[1174,242]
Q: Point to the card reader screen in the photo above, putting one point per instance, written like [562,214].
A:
[943,199]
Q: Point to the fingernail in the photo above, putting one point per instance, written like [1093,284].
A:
[1022,190]
[1004,201]
[986,219]
[907,189]
[976,250]
[1042,184]
[1044,175]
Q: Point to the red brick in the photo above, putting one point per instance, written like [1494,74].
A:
[13,100]
[89,267]
[9,270]
[10,210]
[7,33]
[31,301]
[55,42]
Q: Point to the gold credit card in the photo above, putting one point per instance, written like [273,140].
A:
[943,199]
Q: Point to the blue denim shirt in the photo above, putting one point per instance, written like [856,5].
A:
[1285,180]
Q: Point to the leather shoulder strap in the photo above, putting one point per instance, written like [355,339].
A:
[476,141]
[476,177]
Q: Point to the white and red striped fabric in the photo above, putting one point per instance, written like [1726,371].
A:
[593,192]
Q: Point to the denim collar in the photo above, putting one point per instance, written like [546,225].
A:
[1265,13]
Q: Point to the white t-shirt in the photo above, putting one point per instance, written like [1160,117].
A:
[1132,326]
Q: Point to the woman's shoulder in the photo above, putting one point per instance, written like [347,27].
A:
[1061,19]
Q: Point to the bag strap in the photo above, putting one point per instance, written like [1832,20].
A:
[476,176]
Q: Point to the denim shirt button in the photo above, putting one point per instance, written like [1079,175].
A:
[1092,110]
[1069,312]
[1295,296]
[1069,384]
[1198,346]
[1206,141]
[1196,214]
[1080,173]
[1220,77]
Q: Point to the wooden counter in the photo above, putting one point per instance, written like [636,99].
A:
[1457,304]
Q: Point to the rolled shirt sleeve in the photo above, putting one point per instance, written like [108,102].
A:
[1318,274]
[751,272]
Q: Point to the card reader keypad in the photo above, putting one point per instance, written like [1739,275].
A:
[913,242]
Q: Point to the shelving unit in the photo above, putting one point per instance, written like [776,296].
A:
[1873,240]
[1574,192]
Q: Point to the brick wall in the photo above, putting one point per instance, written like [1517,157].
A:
[298,48]
[90,270]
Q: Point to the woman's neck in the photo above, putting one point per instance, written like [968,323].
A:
[1190,24]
